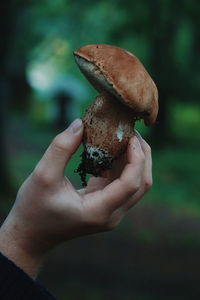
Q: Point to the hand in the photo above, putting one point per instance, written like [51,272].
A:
[49,210]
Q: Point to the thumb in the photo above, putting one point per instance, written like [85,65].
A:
[59,152]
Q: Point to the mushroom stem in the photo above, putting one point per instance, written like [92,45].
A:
[108,126]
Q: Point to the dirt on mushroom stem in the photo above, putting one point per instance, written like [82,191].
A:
[88,166]
[108,127]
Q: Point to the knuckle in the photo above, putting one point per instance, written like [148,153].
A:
[40,176]
[136,186]
[38,172]
[148,184]
[60,144]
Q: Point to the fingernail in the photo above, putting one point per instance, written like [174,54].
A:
[75,126]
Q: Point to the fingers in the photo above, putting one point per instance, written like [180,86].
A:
[51,166]
[105,208]
[118,191]
[147,180]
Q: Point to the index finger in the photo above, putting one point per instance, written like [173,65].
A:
[118,191]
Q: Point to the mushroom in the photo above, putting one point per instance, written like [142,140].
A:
[127,94]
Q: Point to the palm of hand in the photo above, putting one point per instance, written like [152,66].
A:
[52,210]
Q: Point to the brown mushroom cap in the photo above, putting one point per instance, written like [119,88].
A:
[120,73]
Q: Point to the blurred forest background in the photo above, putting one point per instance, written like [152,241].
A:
[154,254]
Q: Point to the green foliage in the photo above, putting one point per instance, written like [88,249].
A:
[183,45]
[176,176]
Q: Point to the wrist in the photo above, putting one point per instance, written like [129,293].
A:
[13,246]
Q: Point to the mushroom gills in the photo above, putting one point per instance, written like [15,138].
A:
[95,76]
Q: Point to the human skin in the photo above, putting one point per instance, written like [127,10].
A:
[49,210]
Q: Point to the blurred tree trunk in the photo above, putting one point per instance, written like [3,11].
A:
[8,14]
[5,185]
[63,102]
[13,59]
[5,33]
[161,63]
[19,98]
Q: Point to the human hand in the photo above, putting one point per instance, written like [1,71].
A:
[49,210]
